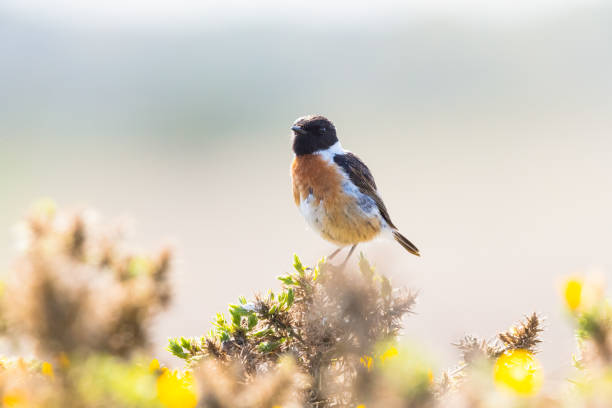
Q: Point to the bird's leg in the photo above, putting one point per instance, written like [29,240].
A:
[349,255]
[334,253]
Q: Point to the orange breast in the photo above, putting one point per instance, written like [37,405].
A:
[335,214]
[311,174]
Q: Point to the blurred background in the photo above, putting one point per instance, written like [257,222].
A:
[487,126]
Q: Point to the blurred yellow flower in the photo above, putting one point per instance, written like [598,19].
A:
[361,406]
[389,353]
[176,391]
[47,370]
[366,361]
[14,398]
[140,265]
[154,365]
[573,293]
[518,371]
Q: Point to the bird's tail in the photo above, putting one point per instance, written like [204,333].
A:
[403,241]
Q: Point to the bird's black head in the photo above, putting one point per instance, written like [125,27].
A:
[312,134]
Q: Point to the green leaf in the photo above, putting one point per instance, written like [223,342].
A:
[175,348]
[297,264]
[252,321]
[287,280]
[290,298]
[267,346]
[220,320]
[224,335]
[236,317]
[282,299]
[185,343]
[262,333]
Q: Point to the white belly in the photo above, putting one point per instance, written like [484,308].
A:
[313,213]
[358,221]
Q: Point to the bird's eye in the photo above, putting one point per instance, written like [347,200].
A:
[323,130]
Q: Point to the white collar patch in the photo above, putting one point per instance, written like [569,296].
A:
[329,153]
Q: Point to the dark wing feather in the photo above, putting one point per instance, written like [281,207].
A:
[361,176]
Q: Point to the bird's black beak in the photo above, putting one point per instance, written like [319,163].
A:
[298,130]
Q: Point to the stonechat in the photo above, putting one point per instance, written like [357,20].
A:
[335,191]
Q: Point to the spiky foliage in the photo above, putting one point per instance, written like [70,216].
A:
[595,334]
[327,318]
[326,339]
[75,289]
[474,349]
[220,386]
[522,336]
[86,304]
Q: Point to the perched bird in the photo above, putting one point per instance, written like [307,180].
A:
[335,190]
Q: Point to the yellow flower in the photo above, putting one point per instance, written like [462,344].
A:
[389,353]
[154,365]
[176,391]
[14,398]
[361,406]
[366,361]
[573,293]
[518,371]
[47,370]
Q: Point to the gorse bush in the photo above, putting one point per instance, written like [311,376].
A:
[337,328]
[76,290]
[83,304]
[325,318]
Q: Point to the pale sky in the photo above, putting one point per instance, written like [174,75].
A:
[135,12]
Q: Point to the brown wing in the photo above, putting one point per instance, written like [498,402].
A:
[361,176]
